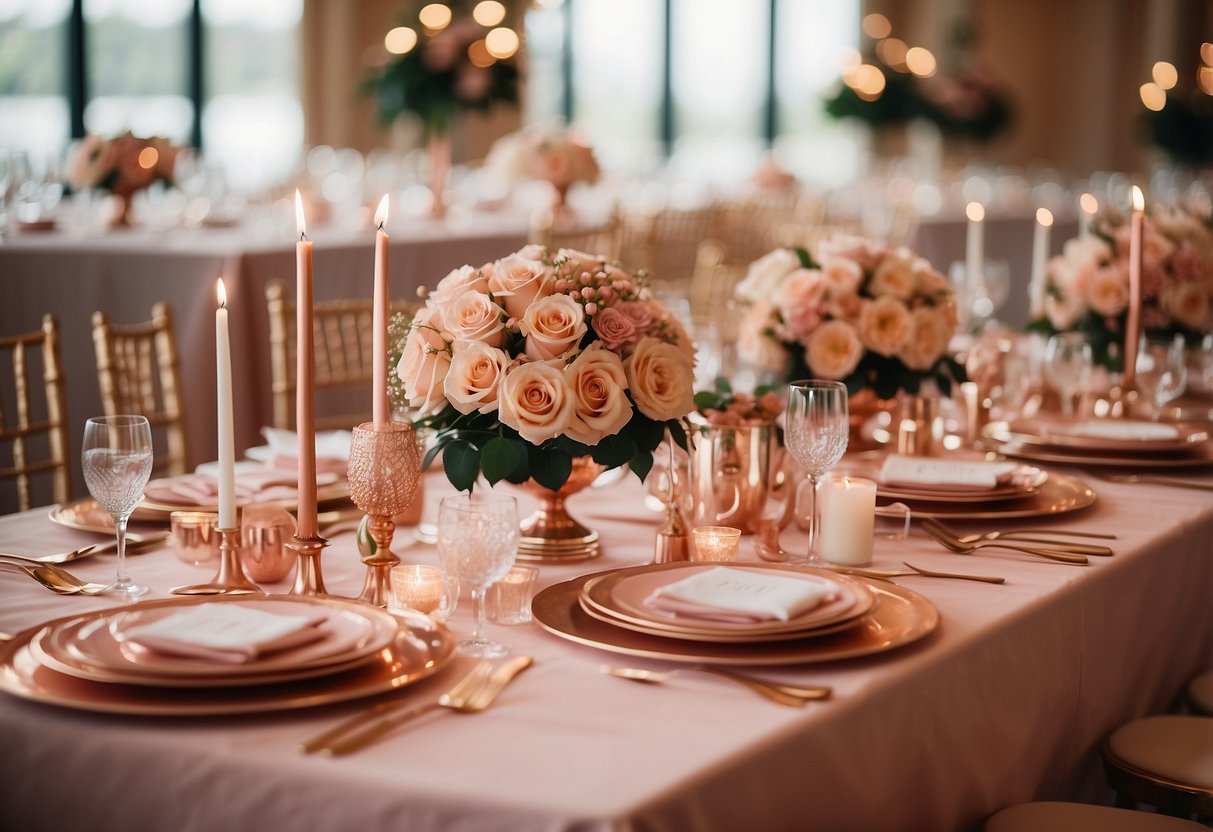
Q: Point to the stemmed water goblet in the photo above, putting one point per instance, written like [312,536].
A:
[117,462]
[816,432]
[1068,360]
[1162,371]
[478,542]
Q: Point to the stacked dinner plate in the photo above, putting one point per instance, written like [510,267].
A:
[1109,442]
[623,611]
[177,656]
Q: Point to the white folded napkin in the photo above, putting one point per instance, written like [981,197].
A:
[741,596]
[944,474]
[228,633]
[1121,430]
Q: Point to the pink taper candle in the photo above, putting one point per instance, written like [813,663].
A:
[1133,322]
[226,431]
[305,378]
[380,409]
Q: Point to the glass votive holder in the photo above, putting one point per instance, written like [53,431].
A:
[848,519]
[424,589]
[509,599]
[715,543]
[195,536]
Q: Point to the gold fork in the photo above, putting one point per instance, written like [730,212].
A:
[789,695]
[1027,537]
[56,579]
[951,542]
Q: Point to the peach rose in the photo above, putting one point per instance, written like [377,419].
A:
[833,350]
[601,407]
[660,378]
[894,276]
[800,302]
[1064,311]
[755,347]
[517,281]
[553,326]
[473,316]
[535,401]
[928,339]
[841,274]
[1108,291]
[474,375]
[767,273]
[884,325]
[866,253]
[463,279]
[615,329]
[1188,303]
[572,262]
[424,363]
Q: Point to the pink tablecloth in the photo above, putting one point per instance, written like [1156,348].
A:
[1006,703]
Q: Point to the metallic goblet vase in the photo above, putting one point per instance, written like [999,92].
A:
[384,474]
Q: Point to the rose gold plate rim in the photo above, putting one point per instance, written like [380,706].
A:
[1199,456]
[1043,433]
[901,617]
[1061,494]
[1038,478]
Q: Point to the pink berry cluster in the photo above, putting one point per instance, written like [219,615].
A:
[595,286]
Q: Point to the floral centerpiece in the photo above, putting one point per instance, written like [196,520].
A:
[122,165]
[527,363]
[1087,285]
[554,156]
[875,318]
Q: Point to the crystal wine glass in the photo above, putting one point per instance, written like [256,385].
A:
[1162,371]
[117,461]
[1068,361]
[816,433]
[478,541]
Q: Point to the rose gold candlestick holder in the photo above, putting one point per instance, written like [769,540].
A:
[384,473]
[308,579]
[230,579]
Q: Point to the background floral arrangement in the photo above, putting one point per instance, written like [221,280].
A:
[549,155]
[445,72]
[122,165]
[860,312]
[721,407]
[527,362]
[1087,285]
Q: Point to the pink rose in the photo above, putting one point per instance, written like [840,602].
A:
[755,347]
[833,350]
[473,378]
[463,279]
[517,281]
[800,301]
[472,316]
[639,312]
[660,378]
[885,325]
[866,253]
[599,385]
[553,326]
[616,330]
[424,363]
[841,274]
[535,401]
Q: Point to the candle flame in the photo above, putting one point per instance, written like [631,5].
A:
[1044,216]
[975,212]
[1089,203]
[300,224]
[221,292]
[381,213]
[1139,199]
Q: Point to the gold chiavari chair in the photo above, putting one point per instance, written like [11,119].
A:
[341,338]
[41,422]
[665,243]
[139,371]
[714,280]
[554,233]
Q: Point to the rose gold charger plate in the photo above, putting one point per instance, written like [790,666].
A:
[1039,449]
[1061,493]
[419,648]
[899,617]
[618,598]
[1026,480]
[1058,433]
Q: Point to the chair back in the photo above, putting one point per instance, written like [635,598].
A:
[341,338]
[33,431]
[665,243]
[556,233]
[139,371]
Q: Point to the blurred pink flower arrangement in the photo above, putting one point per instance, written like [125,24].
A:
[524,363]
[1087,285]
[122,165]
[554,156]
[858,312]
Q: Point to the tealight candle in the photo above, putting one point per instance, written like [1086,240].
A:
[424,589]
[715,543]
[848,518]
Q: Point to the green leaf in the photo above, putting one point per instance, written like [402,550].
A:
[613,451]
[461,462]
[428,460]
[641,464]
[678,433]
[646,433]
[806,260]
[521,472]
[705,399]
[500,457]
[572,447]
[723,386]
[550,467]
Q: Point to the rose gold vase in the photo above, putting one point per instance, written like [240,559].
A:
[122,216]
[551,535]
[440,166]
[870,421]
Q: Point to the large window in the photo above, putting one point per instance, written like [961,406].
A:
[34,115]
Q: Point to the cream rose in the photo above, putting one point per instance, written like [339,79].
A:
[928,339]
[659,376]
[1064,311]
[535,401]
[598,383]
[833,350]
[464,279]
[766,274]
[517,281]
[884,325]
[1108,291]
[553,326]
[474,376]
[756,348]
[1188,303]
[894,276]
[841,274]
[424,363]
[472,316]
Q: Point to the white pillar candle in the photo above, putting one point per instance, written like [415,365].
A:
[848,519]
[1088,208]
[379,402]
[1040,260]
[227,444]
[975,244]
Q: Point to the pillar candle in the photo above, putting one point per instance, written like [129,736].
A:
[1137,224]
[227,445]
[1040,260]
[848,520]
[305,378]
[1088,208]
[379,405]
[975,245]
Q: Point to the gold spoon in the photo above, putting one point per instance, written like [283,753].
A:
[790,695]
